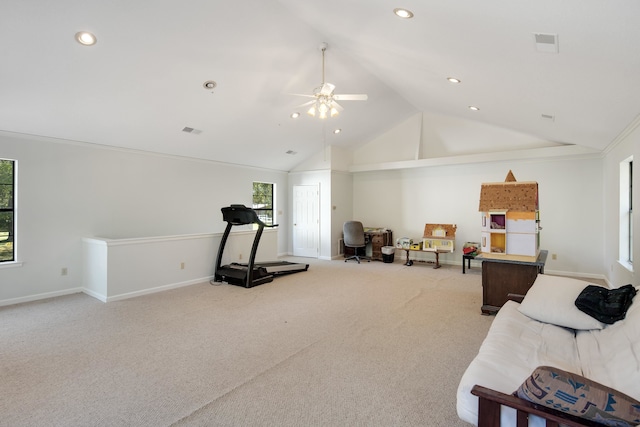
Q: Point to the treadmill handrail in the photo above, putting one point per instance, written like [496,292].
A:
[242,215]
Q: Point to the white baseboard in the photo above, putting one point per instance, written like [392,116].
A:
[147,291]
[94,294]
[37,297]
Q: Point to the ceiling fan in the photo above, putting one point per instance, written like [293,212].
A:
[324,102]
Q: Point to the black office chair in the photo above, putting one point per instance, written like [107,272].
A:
[354,238]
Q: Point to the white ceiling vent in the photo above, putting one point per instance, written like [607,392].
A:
[547,117]
[191,130]
[546,42]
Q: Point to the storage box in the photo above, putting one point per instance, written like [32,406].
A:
[404,243]
[416,246]
[471,248]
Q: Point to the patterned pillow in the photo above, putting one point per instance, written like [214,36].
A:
[579,396]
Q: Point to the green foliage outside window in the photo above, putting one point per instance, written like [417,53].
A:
[263,201]
[6,210]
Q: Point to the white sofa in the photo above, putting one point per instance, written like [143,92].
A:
[517,343]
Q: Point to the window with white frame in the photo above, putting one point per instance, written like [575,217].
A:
[626,213]
[7,210]
[263,201]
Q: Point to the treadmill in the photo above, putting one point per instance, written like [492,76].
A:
[253,273]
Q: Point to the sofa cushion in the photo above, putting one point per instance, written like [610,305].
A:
[513,348]
[611,355]
[579,396]
[551,299]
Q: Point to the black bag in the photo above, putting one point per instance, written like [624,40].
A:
[606,305]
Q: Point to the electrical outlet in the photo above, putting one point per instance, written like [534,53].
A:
[240,256]
[554,256]
[63,272]
[182,266]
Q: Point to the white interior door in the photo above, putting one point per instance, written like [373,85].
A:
[306,220]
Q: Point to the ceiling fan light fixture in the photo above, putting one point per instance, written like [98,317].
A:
[295,115]
[312,111]
[403,13]
[324,102]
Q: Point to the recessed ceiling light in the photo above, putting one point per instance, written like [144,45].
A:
[209,85]
[473,108]
[295,115]
[403,13]
[337,131]
[453,80]
[86,38]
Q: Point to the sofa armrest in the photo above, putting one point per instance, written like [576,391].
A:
[490,401]
[515,297]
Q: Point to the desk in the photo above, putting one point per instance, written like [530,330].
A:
[505,275]
[437,252]
[377,237]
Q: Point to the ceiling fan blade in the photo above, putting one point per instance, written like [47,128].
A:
[306,103]
[352,97]
[302,94]
[337,106]
[327,89]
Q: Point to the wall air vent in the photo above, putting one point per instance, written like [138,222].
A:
[191,130]
[548,117]
[546,42]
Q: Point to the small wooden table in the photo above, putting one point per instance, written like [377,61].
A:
[437,252]
[468,257]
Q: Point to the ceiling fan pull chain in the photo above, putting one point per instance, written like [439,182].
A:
[323,49]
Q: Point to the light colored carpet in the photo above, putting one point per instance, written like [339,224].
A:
[342,344]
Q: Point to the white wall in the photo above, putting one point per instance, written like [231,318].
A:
[67,191]
[328,170]
[571,194]
[122,268]
[341,206]
[426,135]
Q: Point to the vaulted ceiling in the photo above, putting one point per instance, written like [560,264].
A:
[141,84]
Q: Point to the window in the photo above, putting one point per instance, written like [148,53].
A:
[631,212]
[7,214]
[626,213]
[263,201]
